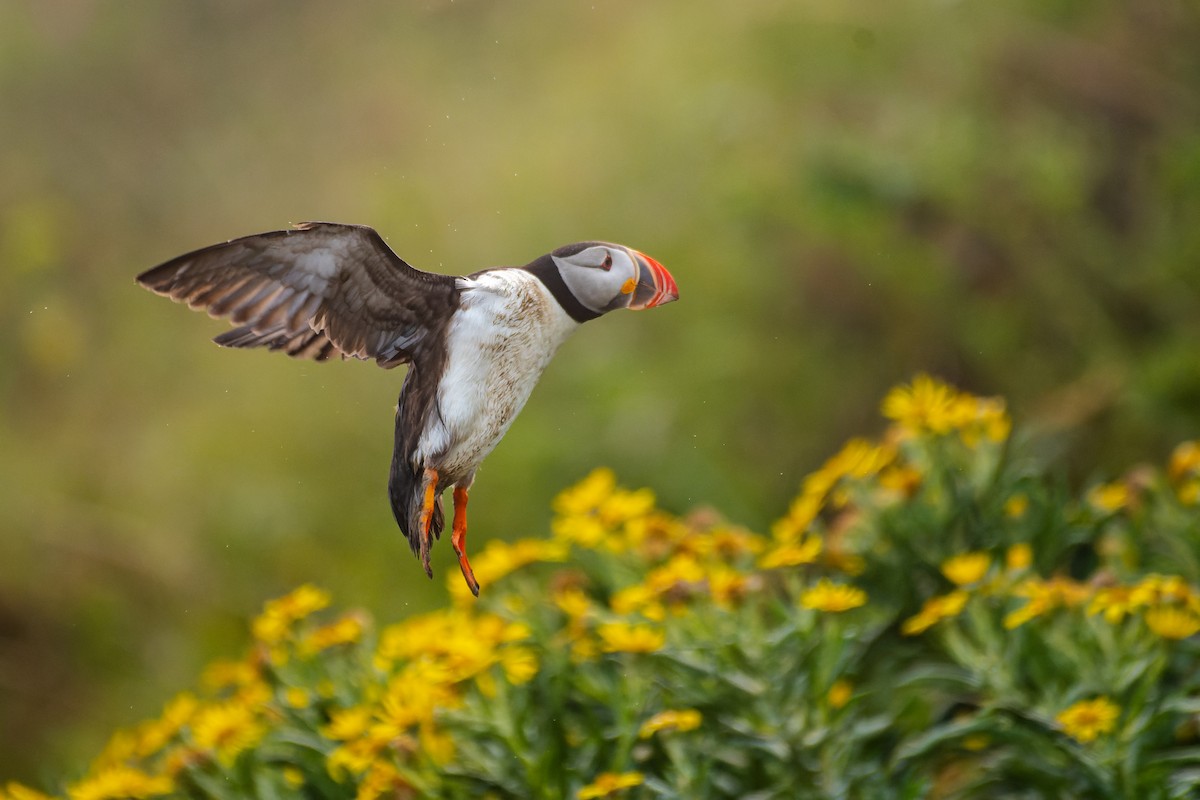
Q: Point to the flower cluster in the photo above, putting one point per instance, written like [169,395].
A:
[930,617]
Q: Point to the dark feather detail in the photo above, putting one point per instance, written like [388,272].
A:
[308,344]
[417,403]
[318,289]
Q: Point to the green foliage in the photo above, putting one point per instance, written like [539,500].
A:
[933,617]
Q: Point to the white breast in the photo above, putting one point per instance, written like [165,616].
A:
[505,331]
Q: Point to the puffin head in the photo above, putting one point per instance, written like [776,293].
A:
[602,277]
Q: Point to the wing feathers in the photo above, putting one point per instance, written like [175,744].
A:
[306,344]
[319,289]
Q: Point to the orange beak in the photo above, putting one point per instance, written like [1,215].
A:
[655,286]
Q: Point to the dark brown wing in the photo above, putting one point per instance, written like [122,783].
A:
[316,290]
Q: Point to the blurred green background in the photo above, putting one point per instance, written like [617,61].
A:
[1005,194]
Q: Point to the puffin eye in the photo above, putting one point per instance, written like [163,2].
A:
[607,265]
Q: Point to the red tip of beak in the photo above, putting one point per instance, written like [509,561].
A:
[656,285]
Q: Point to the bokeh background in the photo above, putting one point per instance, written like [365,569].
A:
[1004,194]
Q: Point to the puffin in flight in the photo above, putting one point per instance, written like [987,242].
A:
[475,345]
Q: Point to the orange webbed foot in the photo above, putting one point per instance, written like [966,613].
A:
[459,539]
[426,532]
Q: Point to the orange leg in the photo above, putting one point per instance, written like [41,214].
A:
[459,539]
[431,482]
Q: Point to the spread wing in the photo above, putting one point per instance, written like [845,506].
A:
[313,291]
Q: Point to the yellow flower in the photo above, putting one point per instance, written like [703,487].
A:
[803,511]
[935,610]
[437,745]
[413,697]
[729,543]
[727,586]
[459,644]
[346,630]
[227,729]
[840,693]
[587,495]
[585,531]
[1018,557]
[583,649]
[182,757]
[1045,596]
[682,575]
[657,535]
[976,417]
[1155,589]
[1016,506]
[991,416]
[1087,719]
[16,791]
[515,632]
[833,597]
[179,711]
[966,568]
[486,683]
[122,746]
[274,624]
[621,506]
[638,599]
[1171,622]
[520,664]
[253,695]
[859,459]
[792,554]
[381,780]
[926,405]
[839,558]
[271,629]
[296,697]
[119,782]
[299,603]
[904,480]
[1110,497]
[150,737]
[620,637]
[930,406]
[609,783]
[293,776]
[573,602]
[682,720]
[225,674]
[353,758]
[1114,603]
[1185,460]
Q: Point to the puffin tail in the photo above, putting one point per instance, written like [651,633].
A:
[407,493]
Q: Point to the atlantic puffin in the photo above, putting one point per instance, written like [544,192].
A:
[475,345]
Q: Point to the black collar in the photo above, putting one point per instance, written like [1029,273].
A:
[547,272]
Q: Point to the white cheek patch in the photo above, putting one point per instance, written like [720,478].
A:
[595,288]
